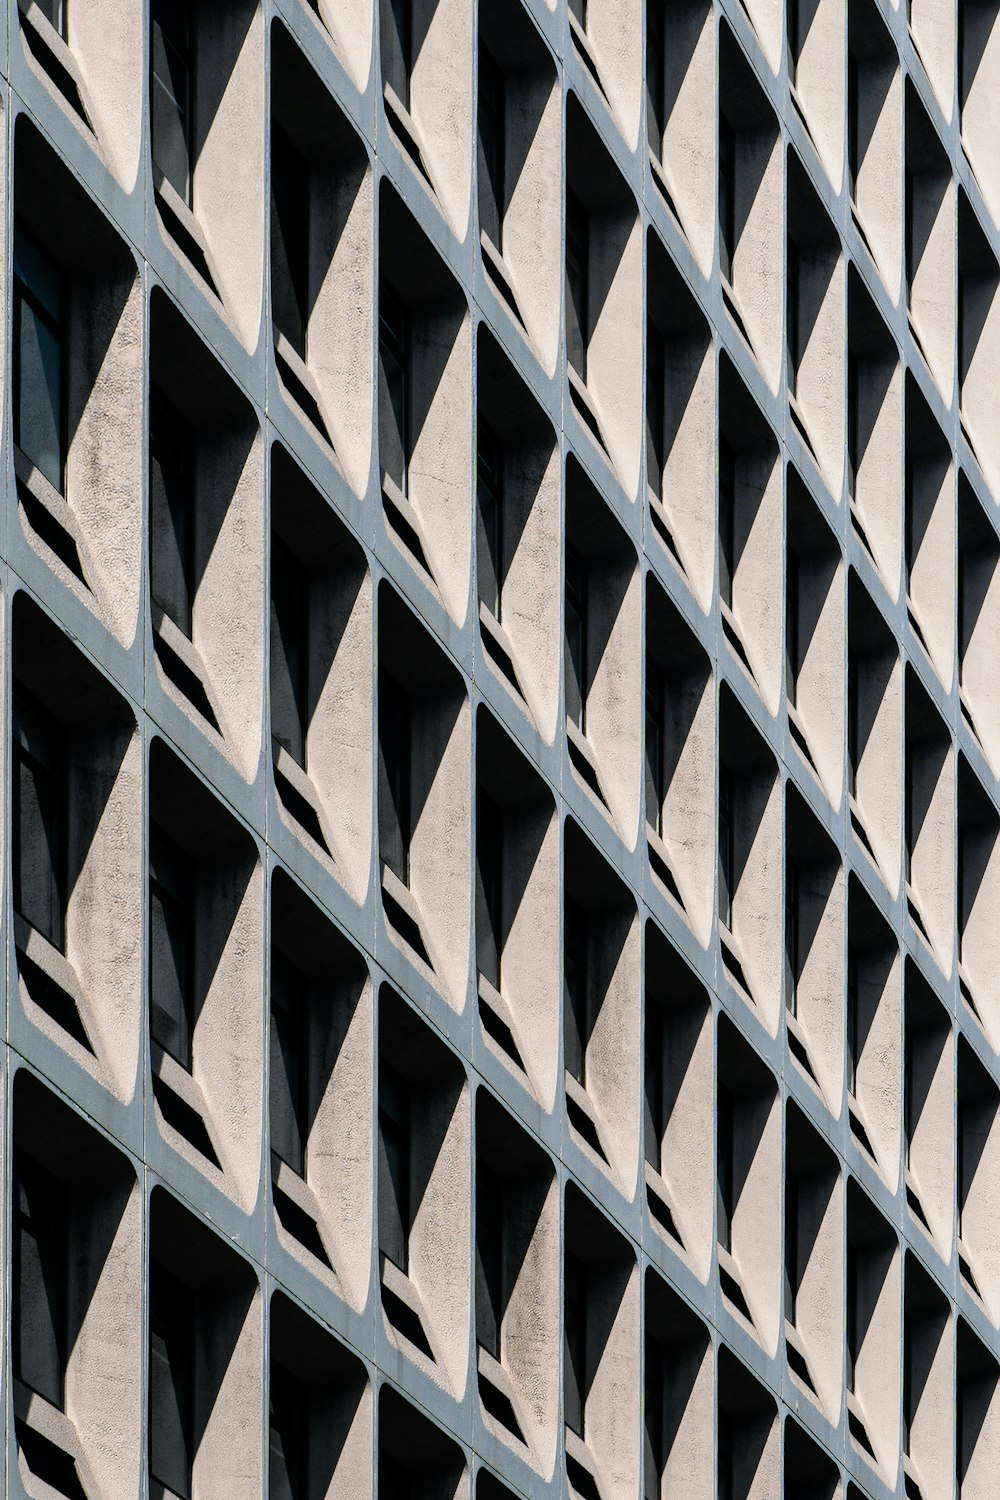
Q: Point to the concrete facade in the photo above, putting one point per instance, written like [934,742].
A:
[501,578]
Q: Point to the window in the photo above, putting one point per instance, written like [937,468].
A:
[724,1165]
[653,1067]
[397,46]
[489,887]
[574,1341]
[727,521]
[793,934]
[654,1435]
[288,1437]
[171,512]
[727,870]
[655,693]
[171,1382]
[393,393]
[727,197]
[172,106]
[908,236]
[577,277]
[655,75]
[576,639]
[289,651]
[853,420]
[489,517]
[656,401]
[793,1269]
[726,1455]
[853,719]
[40,814]
[56,11]
[909,820]
[793,21]
[289,240]
[793,660]
[853,122]
[41,1264]
[852,1319]
[393,1167]
[492,146]
[289,1072]
[793,295]
[489,1258]
[575,990]
[853,1031]
[394,777]
[171,947]
[39,359]
[578,9]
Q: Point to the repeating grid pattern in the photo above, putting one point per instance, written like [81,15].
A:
[501,579]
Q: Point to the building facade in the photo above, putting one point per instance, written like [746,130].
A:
[501,582]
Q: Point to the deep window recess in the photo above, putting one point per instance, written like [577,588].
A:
[289,1064]
[39,359]
[576,639]
[656,397]
[56,11]
[792,935]
[288,1437]
[727,521]
[393,1167]
[394,777]
[575,984]
[726,852]
[489,530]
[172,81]
[724,1166]
[577,275]
[575,1342]
[171,520]
[656,59]
[489,887]
[289,240]
[41,1264]
[653,1114]
[397,46]
[171,947]
[289,651]
[492,146]
[39,816]
[171,1382]
[654,746]
[727,197]
[393,393]
[489,1258]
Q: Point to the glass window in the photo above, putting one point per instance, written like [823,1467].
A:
[288,1437]
[656,401]
[793,933]
[492,147]
[397,46]
[575,989]
[393,1166]
[654,1434]
[39,359]
[655,76]
[793,302]
[171,512]
[394,777]
[39,816]
[575,1341]
[289,1064]
[171,947]
[172,108]
[724,1165]
[41,1263]
[289,651]
[576,638]
[489,515]
[727,521]
[289,240]
[793,663]
[577,276]
[489,1258]
[653,1066]
[56,11]
[727,197]
[489,887]
[727,872]
[171,1382]
[393,396]
[654,746]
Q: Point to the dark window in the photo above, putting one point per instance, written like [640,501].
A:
[172,70]
[908,237]
[654,1436]
[397,46]
[577,277]
[910,534]
[724,1165]
[853,419]
[853,113]
[910,1387]
[655,693]
[289,1064]
[289,651]
[489,1258]
[909,810]
[489,887]
[171,512]
[39,359]
[727,197]
[853,1322]
[394,777]
[793,14]
[492,146]
[655,75]
[575,1342]
[489,518]
[288,1437]
[575,989]
[656,401]
[171,947]
[171,1382]
[576,638]
[793,661]
[41,1263]
[40,816]
[853,1033]
[793,935]
[793,303]
[289,240]
[793,1268]
[654,1114]
[393,1166]
[853,719]
[727,521]
[726,1455]
[578,8]
[56,12]
[393,393]
[727,864]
